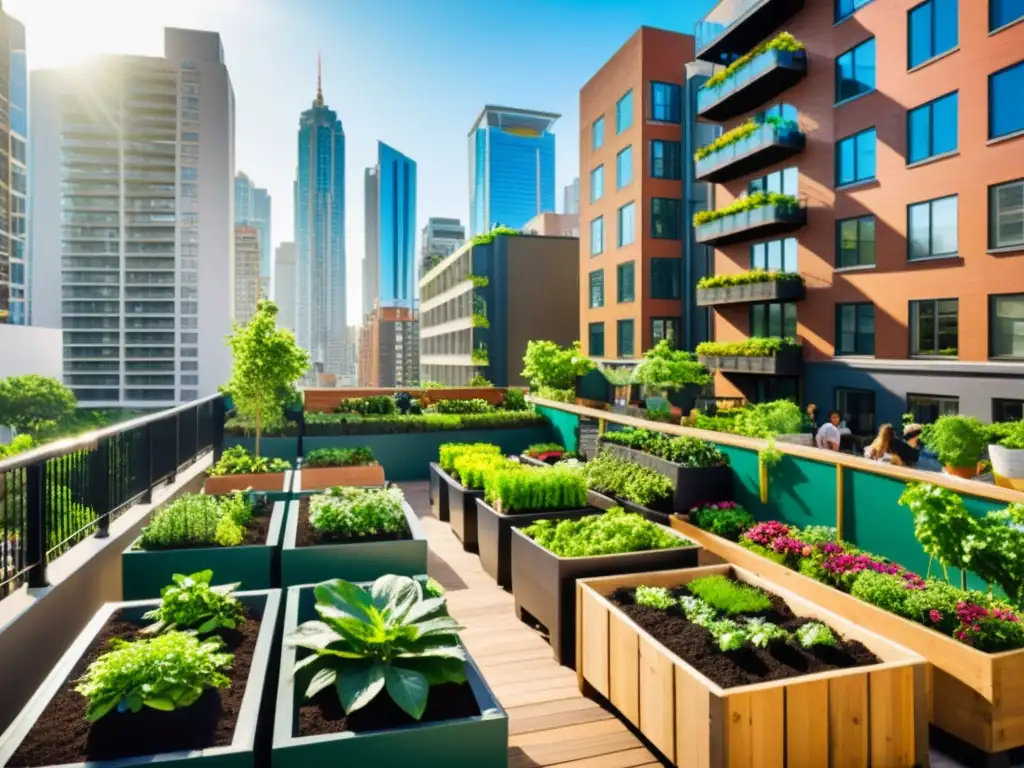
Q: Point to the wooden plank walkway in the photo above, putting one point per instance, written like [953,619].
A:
[550,722]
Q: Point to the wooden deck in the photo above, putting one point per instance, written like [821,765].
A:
[550,722]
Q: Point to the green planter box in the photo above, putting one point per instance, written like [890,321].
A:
[286,447]
[241,753]
[352,562]
[144,574]
[469,742]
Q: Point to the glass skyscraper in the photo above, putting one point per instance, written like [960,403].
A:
[252,209]
[511,167]
[396,227]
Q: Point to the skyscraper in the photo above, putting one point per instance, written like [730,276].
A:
[252,209]
[285,285]
[320,236]
[14,306]
[441,237]
[132,176]
[248,286]
[571,197]
[396,222]
[511,167]
[371,256]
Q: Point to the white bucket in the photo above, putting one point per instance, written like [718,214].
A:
[1007,466]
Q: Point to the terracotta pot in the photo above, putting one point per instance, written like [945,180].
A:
[964,472]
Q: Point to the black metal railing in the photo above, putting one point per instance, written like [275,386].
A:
[53,497]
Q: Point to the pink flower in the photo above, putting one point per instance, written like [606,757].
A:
[765,533]
[787,545]
[807,550]
[832,548]
[935,616]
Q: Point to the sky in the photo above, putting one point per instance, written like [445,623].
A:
[411,73]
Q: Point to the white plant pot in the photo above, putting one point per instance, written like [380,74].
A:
[1007,466]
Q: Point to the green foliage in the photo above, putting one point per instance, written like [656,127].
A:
[449,452]
[479,355]
[238,461]
[339,457]
[35,405]
[746,203]
[762,633]
[546,364]
[627,480]
[768,346]
[518,488]
[818,534]
[770,455]
[613,533]
[784,41]
[691,452]
[815,633]
[883,590]
[739,133]
[480,320]
[750,277]
[664,367]
[432,588]
[461,407]
[539,449]
[244,427]
[479,281]
[198,520]
[432,385]
[191,602]
[480,381]
[654,597]
[942,525]
[557,395]
[165,673]
[472,470]
[726,519]
[19,444]
[347,512]
[320,424]
[388,638]
[728,596]
[515,400]
[958,441]
[1014,437]
[763,420]
[499,231]
[375,405]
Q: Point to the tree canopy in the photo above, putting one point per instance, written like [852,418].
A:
[546,364]
[35,405]
[668,368]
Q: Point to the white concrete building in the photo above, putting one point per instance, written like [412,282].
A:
[285,286]
[248,285]
[133,231]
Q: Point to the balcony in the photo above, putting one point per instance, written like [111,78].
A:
[748,148]
[758,80]
[756,356]
[736,26]
[750,218]
[746,288]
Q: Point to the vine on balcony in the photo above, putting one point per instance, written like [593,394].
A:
[783,42]
[750,277]
[479,356]
[748,203]
[741,132]
[480,320]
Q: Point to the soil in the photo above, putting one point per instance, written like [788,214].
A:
[308,536]
[256,532]
[323,713]
[62,735]
[695,645]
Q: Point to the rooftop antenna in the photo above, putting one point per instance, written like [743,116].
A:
[319,80]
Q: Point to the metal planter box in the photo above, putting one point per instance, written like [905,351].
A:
[462,513]
[438,492]
[789,362]
[692,485]
[751,293]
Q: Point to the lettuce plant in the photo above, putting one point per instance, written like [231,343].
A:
[815,633]
[347,512]
[614,533]
[729,635]
[654,597]
[387,638]
[725,518]
[191,602]
[762,633]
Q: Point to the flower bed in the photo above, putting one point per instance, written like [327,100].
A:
[238,470]
[329,467]
[767,699]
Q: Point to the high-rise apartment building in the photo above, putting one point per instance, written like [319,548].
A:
[389,353]
[396,223]
[285,285]
[898,173]
[571,197]
[631,197]
[511,167]
[248,286]
[252,209]
[132,178]
[371,230]
[320,236]
[14,269]
[440,238]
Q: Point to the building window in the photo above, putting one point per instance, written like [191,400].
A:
[666,218]
[855,242]
[626,283]
[1006,325]
[775,255]
[624,113]
[597,134]
[597,236]
[665,278]
[597,288]
[666,101]
[597,184]
[773,320]
[932,229]
[1005,108]
[855,329]
[784,182]
[857,408]
[928,408]
[1007,410]
[665,160]
[855,71]
[627,224]
[625,340]
[855,158]
[1003,12]
[624,167]
[932,128]
[1006,215]
[933,27]
[846,8]
[666,328]
[934,327]
[596,339]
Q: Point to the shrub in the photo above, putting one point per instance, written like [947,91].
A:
[754,347]
[480,381]
[613,533]
[460,407]
[375,405]
[690,452]
[238,461]
[654,597]
[533,488]
[557,395]
[750,277]
[958,441]
[665,367]
[191,602]
[1014,437]
[729,596]
[339,457]
[514,400]
[725,518]
[353,512]
[627,480]
[451,451]
[884,590]
[198,520]
[167,672]
[815,633]
[546,364]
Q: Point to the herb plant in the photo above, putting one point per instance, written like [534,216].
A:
[460,407]
[729,596]
[690,452]
[191,602]
[627,480]
[348,512]
[339,457]
[724,518]
[654,597]
[198,520]
[449,452]
[762,633]
[520,488]
[375,405]
[958,441]
[238,461]
[815,633]
[473,470]
[514,400]
[613,533]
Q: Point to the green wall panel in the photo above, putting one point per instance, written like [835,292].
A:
[746,485]
[802,492]
[565,426]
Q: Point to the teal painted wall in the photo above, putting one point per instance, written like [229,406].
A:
[564,425]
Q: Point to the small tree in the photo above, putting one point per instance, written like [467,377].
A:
[546,364]
[266,364]
[35,405]
[666,368]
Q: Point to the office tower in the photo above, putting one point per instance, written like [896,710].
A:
[571,197]
[351,356]
[468,329]
[14,264]
[371,255]
[248,287]
[285,285]
[440,238]
[511,167]
[132,177]
[902,159]
[631,222]
[320,236]
[396,226]
[252,209]
[389,353]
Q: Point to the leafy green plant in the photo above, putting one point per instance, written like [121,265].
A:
[480,320]
[459,407]
[339,457]
[697,611]
[1014,438]
[388,638]
[654,597]
[546,364]
[664,367]
[192,602]
[958,441]
[784,41]
[449,452]
[942,525]
[770,455]
[480,381]
[750,277]
[165,673]
[762,633]
[499,231]
[729,596]
[742,131]
[690,452]
[472,470]
[479,281]
[20,444]
[729,635]
[198,520]
[432,588]
[557,395]
[540,449]
[725,518]
[238,461]
[374,405]
[320,424]
[479,355]
[518,488]
[613,533]
[815,633]
[348,512]
[746,203]
[514,400]
[884,590]
[769,346]
[627,480]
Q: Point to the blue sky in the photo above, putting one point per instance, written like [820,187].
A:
[411,73]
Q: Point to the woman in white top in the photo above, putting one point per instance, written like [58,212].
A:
[831,432]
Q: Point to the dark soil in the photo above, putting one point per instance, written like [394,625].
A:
[323,713]
[308,536]
[695,645]
[62,735]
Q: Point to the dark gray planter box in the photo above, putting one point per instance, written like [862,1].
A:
[601,500]
[356,561]
[752,293]
[462,513]
[544,584]
[241,752]
[438,492]
[494,535]
[532,462]
[469,742]
[788,362]
[692,485]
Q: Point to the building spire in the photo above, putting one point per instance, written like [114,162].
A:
[319,80]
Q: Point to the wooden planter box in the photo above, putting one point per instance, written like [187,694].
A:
[462,512]
[364,561]
[242,751]
[692,486]
[789,362]
[319,478]
[770,290]
[471,742]
[973,695]
[865,716]
[438,492]
[494,535]
[277,485]
[544,584]
[255,566]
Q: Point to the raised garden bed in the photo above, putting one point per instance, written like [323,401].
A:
[788,362]
[277,485]
[438,492]
[691,485]
[220,729]
[873,714]
[318,478]
[462,512]
[750,293]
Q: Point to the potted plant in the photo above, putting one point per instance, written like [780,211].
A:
[353,533]
[671,373]
[238,470]
[958,441]
[379,676]
[465,486]
[328,467]
[1008,458]
[549,555]
[441,473]
[238,535]
[128,693]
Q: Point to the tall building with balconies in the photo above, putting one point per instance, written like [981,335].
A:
[12,54]
[248,285]
[873,152]
[132,177]
[440,238]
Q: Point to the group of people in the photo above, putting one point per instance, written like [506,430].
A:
[906,451]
